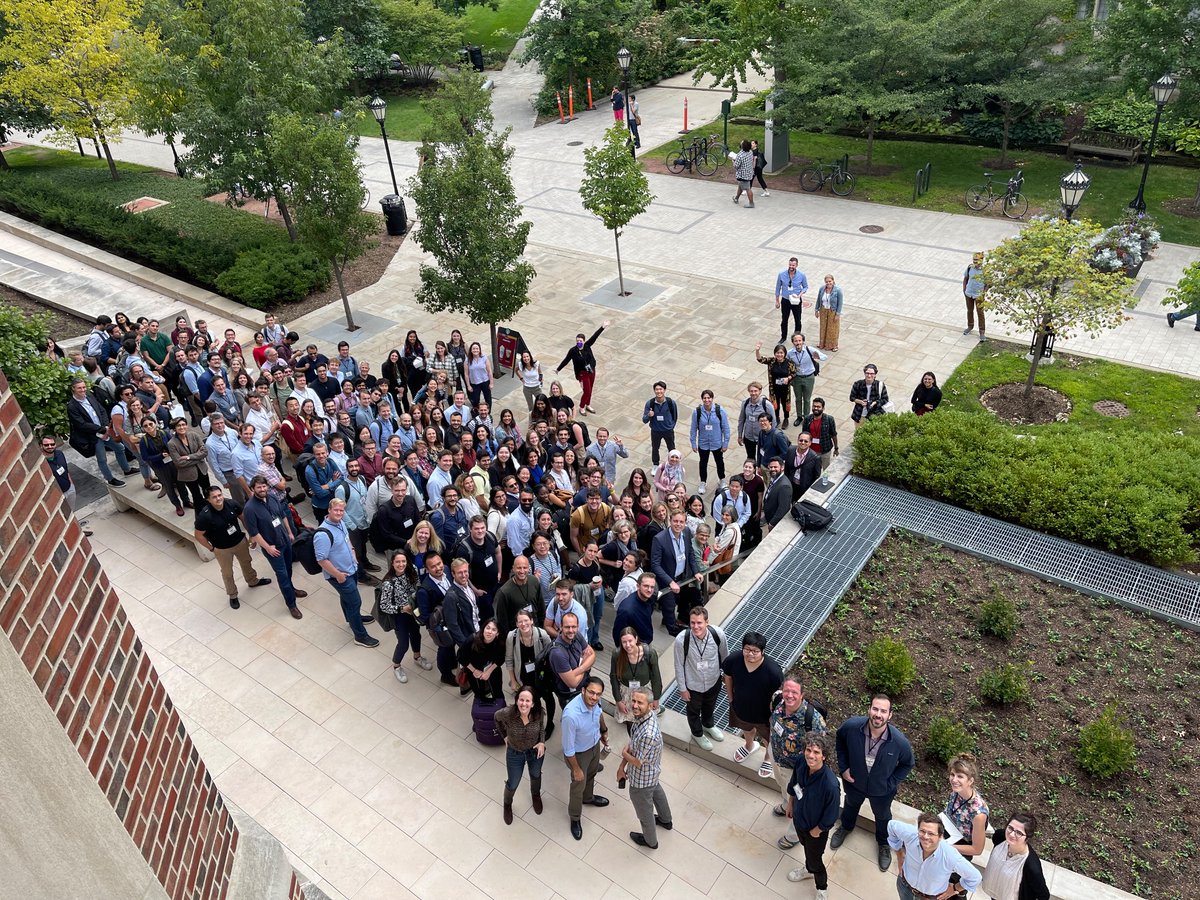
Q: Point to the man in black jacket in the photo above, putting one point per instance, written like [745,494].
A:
[431,595]
[802,465]
[395,521]
[822,428]
[91,432]
[778,498]
[460,608]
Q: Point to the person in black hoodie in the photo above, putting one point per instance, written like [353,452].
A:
[584,362]
[813,796]
[927,396]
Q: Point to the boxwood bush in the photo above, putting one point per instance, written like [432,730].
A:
[268,275]
[1137,495]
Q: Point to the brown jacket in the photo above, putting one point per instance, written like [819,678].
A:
[190,459]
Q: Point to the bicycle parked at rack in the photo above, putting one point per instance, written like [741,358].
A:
[814,177]
[699,156]
[1013,203]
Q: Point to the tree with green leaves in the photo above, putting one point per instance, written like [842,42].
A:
[469,219]
[871,61]
[1034,55]
[422,35]
[360,25]
[1145,40]
[317,157]
[578,39]
[1042,281]
[72,58]
[748,36]
[614,187]
[1185,294]
[40,384]
[243,65]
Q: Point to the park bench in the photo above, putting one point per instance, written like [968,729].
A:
[1105,143]
[133,496]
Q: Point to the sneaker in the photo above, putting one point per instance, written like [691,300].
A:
[799,421]
[735,199]
[724,484]
[822,895]
[800,875]
[703,741]
[367,619]
[367,641]
[982,338]
[749,206]
[400,675]
[1170,320]
[703,489]
[766,193]
[424,664]
[838,837]
[968,331]
[715,733]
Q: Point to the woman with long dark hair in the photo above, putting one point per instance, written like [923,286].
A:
[483,658]
[523,727]
[398,599]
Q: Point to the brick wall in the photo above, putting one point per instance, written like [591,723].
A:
[65,623]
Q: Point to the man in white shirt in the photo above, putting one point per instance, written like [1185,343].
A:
[926,862]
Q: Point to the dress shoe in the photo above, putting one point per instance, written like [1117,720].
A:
[838,837]
[116,482]
[597,801]
[640,839]
[885,857]
[301,594]
[179,510]
[261,582]
[235,603]
[370,566]
[577,829]
[666,826]
[129,472]
[296,614]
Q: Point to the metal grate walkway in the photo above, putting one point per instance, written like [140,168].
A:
[793,598]
[1167,595]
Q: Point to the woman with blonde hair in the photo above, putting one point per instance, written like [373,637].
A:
[966,809]
[829,314]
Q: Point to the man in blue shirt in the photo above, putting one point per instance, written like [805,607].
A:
[332,547]
[221,443]
[660,413]
[269,525]
[322,475]
[583,733]
[246,458]
[790,287]
[926,861]
[710,435]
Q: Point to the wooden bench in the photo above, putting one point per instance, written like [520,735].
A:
[135,497]
[1105,143]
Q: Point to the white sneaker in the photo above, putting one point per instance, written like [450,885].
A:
[654,471]
[703,488]
[705,743]
[766,193]
[822,895]
[715,733]
[401,675]
[724,484]
[799,875]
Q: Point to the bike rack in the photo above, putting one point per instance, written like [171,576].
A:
[921,182]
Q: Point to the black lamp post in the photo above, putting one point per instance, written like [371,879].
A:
[624,58]
[1164,91]
[379,110]
[1071,188]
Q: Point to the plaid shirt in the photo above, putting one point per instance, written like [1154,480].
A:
[646,743]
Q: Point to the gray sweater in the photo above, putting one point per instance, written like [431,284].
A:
[702,667]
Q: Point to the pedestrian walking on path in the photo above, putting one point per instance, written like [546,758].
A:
[743,171]
[973,291]
[760,163]
[618,103]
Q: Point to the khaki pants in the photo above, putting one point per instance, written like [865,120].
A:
[783,775]
[225,560]
[831,328]
[581,791]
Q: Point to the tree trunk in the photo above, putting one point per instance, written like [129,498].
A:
[1007,127]
[79,144]
[4,162]
[870,141]
[1039,348]
[112,163]
[495,350]
[1196,198]
[620,275]
[337,274]
[96,148]
[285,214]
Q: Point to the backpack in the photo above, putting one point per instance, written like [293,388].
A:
[816,364]
[700,408]
[305,553]
[436,625]
[810,704]
[811,517]
[687,641]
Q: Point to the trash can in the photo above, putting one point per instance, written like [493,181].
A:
[394,214]
[476,57]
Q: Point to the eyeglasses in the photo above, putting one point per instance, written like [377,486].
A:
[753,651]
[1010,830]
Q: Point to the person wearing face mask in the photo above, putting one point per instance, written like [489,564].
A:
[583,360]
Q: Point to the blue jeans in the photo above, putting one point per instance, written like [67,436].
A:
[1185,313]
[516,760]
[902,889]
[594,618]
[281,565]
[351,601]
[103,445]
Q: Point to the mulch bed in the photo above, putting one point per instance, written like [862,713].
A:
[1183,206]
[1135,831]
[63,326]
[1044,405]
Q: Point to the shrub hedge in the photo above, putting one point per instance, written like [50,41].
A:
[266,275]
[1137,495]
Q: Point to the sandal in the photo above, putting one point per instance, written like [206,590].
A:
[779,810]
[767,769]
[740,753]
[786,843]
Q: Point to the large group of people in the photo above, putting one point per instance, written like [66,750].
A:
[495,539]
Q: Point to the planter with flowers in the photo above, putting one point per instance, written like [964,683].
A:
[1125,246]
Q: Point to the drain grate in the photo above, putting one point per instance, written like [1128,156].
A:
[796,595]
[1158,592]
[871,229]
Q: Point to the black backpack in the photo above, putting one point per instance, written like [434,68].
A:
[811,517]
[305,553]
[816,364]
[810,704]
[436,625]
[687,641]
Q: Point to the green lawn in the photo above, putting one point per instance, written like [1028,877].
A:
[481,23]
[956,167]
[405,118]
[1158,402]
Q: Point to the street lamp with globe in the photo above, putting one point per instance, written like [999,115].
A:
[1071,188]
[1164,91]
[624,58]
[378,107]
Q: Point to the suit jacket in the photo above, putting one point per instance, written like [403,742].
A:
[777,501]
[456,610]
[429,595]
[186,467]
[892,765]
[663,561]
[802,476]
[83,430]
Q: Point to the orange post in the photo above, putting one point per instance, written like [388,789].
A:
[685,128]
[589,81]
[561,119]
[570,101]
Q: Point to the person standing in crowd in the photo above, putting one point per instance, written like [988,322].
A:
[710,436]
[571,659]
[270,527]
[772,442]
[641,762]
[808,367]
[829,315]
[57,462]
[519,592]
[778,498]
[743,171]
[927,396]
[755,488]
[760,164]
[634,665]
[431,595]
[802,466]
[1014,871]
[822,430]
[813,808]
[221,444]
[322,475]
[191,461]
[584,733]
[523,727]
[154,449]
[966,809]
[699,652]
[483,658]
[661,413]
[790,287]
[91,432]
[753,407]
[673,562]
[973,292]
[332,547]
[926,862]
[792,720]
[218,527]
[583,361]
[529,370]
[525,652]
[398,599]
[869,395]
[635,610]
[873,757]
[479,375]
[751,680]
[781,372]
[606,452]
